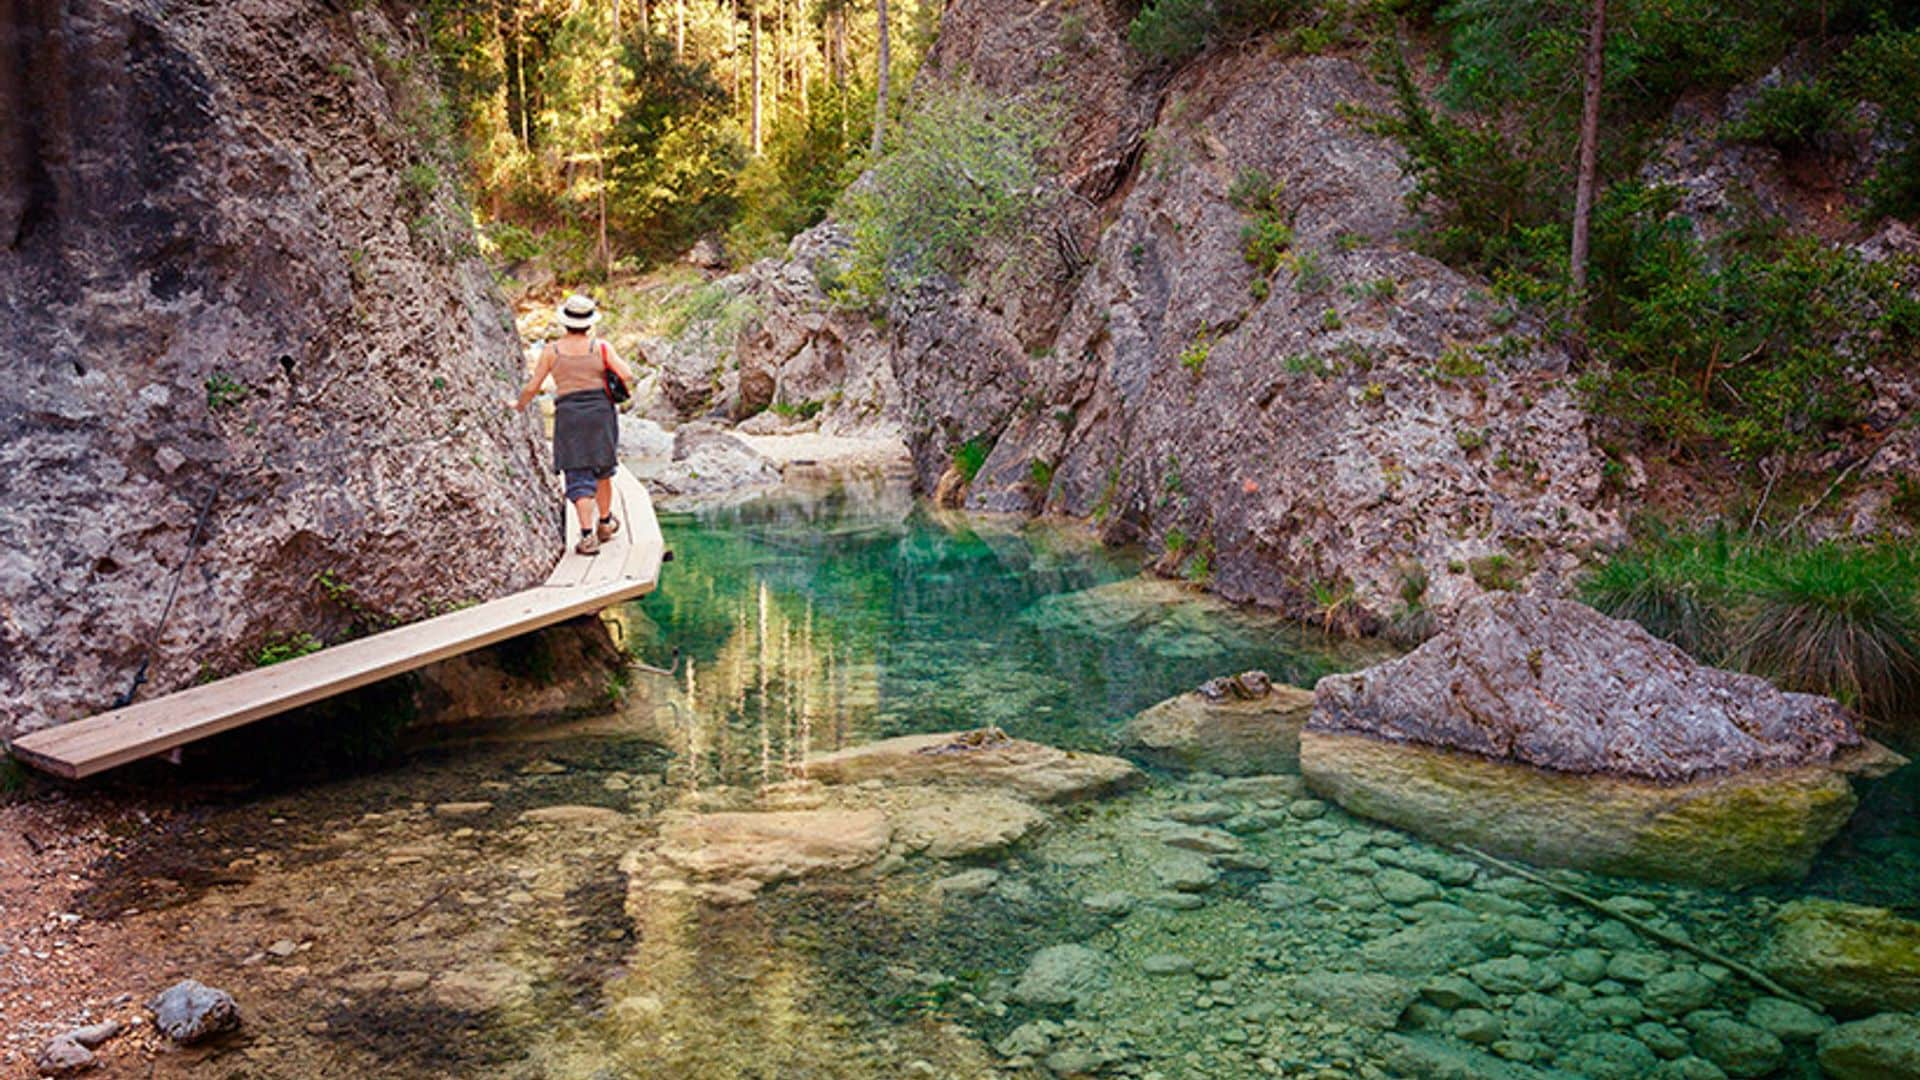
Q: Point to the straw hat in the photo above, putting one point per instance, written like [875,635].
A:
[579,312]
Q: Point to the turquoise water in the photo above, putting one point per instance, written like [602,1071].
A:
[1191,927]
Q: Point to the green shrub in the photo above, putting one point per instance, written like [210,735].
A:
[1677,586]
[1497,572]
[1040,475]
[1884,68]
[1837,621]
[964,169]
[1793,117]
[1170,31]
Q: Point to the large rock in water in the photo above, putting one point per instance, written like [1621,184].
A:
[225,266]
[1541,729]
[1244,726]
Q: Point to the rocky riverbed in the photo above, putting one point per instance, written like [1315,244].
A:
[787,859]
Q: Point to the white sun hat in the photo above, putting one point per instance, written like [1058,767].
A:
[579,312]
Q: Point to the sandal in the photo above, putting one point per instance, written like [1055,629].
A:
[588,545]
[607,527]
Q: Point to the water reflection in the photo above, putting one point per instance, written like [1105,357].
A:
[809,624]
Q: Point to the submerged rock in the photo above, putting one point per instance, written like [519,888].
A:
[1883,1047]
[1862,959]
[1540,729]
[1231,734]
[1062,975]
[189,1011]
[987,758]
[962,826]
[1723,831]
[757,848]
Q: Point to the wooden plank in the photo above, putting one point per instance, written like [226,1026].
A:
[115,738]
[649,547]
[609,564]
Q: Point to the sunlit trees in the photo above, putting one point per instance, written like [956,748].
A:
[623,128]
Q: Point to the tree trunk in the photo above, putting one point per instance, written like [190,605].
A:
[679,30]
[1589,147]
[880,95]
[806,56]
[520,69]
[753,38]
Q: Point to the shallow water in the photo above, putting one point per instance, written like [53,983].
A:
[469,942]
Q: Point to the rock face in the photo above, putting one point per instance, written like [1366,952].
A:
[1539,729]
[1359,416]
[984,758]
[228,272]
[1860,959]
[1250,728]
[776,338]
[1555,684]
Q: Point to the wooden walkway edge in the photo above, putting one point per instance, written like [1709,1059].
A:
[627,567]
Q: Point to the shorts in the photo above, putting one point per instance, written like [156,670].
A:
[583,483]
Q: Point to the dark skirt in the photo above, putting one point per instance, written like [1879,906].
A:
[586,432]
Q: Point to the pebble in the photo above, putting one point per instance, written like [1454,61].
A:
[282,948]
[1678,992]
[1786,1020]
[1201,813]
[1402,887]
[1167,964]
[189,1011]
[1661,1039]
[62,1056]
[968,883]
[1636,966]
[1306,809]
[1107,903]
[461,809]
[1477,1026]
[1584,966]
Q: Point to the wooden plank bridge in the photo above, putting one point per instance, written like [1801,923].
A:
[627,567]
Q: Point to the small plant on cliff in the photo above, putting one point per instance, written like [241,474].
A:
[1170,31]
[287,648]
[968,457]
[1194,356]
[1040,475]
[223,392]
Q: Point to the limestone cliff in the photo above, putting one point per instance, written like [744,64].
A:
[231,270]
[1357,428]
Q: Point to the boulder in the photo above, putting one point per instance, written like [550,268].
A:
[1250,729]
[985,758]
[643,440]
[778,846]
[1541,729]
[708,463]
[1858,959]
[189,1012]
[1557,685]
[1368,999]
[1883,1047]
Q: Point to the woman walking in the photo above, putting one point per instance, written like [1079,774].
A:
[586,430]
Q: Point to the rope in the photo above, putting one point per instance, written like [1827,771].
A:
[173,592]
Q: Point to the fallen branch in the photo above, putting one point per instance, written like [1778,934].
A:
[1752,974]
[1837,481]
[420,907]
